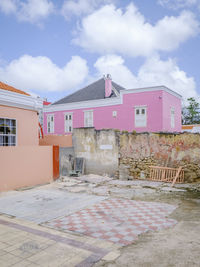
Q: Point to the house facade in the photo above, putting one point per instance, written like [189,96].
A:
[105,105]
[22,161]
[18,117]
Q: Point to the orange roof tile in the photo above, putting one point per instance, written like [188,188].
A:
[7,87]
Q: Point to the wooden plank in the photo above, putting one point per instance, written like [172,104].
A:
[158,167]
[177,175]
[163,175]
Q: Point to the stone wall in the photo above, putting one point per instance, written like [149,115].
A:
[100,149]
[139,151]
[129,155]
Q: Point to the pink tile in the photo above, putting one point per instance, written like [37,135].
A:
[117,220]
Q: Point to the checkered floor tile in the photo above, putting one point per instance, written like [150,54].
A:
[117,220]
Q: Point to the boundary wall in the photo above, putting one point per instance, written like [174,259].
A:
[25,166]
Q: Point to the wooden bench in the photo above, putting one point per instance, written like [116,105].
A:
[165,174]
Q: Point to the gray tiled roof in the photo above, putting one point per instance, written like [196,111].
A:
[93,91]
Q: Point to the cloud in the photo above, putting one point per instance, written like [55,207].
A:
[41,74]
[114,65]
[158,72]
[177,4]
[153,72]
[81,7]
[8,6]
[32,11]
[110,30]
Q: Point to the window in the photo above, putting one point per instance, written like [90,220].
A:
[172,118]
[50,123]
[140,116]
[114,113]
[7,132]
[88,118]
[68,122]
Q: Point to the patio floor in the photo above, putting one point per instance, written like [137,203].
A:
[117,220]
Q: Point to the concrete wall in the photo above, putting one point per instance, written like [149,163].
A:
[139,151]
[158,108]
[27,124]
[62,141]
[25,166]
[98,148]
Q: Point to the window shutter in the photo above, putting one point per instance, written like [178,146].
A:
[140,117]
[68,123]
[50,123]
[88,118]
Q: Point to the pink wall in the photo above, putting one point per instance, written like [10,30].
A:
[56,140]
[125,120]
[78,120]
[169,101]
[25,166]
[27,124]
[154,110]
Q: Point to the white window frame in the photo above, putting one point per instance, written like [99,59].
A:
[10,135]
[140,122]
[172,117]
[68,123]
[88,122]
[51,125]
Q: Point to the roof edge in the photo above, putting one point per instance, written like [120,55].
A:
[152,88]
[13,99]
[6,87]
[84,104]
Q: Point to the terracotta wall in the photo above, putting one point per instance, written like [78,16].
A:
[27,124]
[57,140]
[25,166]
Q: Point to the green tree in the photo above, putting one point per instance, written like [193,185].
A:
[191,113]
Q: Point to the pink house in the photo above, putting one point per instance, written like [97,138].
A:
[105,105]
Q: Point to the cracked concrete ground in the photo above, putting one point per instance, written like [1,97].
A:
[43,204]
[175,246]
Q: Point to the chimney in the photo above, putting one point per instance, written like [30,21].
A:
[108,85]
